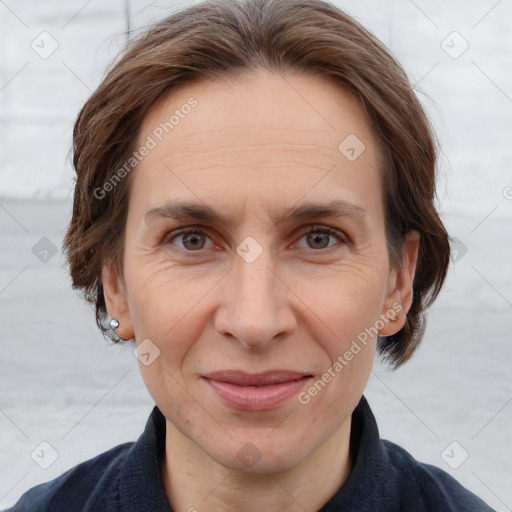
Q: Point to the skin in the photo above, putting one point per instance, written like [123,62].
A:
[254,149]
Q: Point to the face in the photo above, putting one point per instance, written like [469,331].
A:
[282,272]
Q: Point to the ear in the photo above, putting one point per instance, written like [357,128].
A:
[400,290]
[114,291]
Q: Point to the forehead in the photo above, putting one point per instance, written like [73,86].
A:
[262,131]
[303,107]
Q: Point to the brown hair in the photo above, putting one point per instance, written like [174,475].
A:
[228,37]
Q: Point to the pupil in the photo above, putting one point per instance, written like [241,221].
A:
[193,239]
[315,239]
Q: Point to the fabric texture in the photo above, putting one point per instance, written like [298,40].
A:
[127,478]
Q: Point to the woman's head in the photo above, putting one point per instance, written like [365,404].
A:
[246,119]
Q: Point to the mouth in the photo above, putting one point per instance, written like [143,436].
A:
[256,392]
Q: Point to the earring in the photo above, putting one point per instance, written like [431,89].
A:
[114,324]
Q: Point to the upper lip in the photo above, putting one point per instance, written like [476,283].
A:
[256,379]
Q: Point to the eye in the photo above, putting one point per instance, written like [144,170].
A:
[317,237]
[191,238]
[194,239]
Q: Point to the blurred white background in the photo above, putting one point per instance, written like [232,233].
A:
[62,383]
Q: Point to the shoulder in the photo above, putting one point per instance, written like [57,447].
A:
[74,488]
[420,484]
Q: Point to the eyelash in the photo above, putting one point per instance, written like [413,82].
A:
[317,228]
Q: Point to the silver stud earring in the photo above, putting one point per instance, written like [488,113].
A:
[114,324]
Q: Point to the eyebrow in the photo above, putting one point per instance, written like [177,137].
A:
[183,210]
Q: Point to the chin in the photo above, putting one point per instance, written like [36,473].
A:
[258,454]
[263,463]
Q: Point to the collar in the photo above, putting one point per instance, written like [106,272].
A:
[140,484]
[365,484]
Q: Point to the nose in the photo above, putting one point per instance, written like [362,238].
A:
[255,308]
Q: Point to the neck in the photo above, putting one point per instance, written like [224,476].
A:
[194,482]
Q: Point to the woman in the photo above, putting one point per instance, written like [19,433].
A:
[254,209]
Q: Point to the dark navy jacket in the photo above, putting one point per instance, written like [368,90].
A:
[127,478]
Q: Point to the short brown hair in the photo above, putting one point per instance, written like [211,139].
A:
[227,38]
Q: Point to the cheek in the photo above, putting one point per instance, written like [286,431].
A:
[348,309]
[167,306]
[158,294]
[346,300]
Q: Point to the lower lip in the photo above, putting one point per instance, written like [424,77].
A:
[256,398]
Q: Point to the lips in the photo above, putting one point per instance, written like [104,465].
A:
[255,392]
[260,379]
